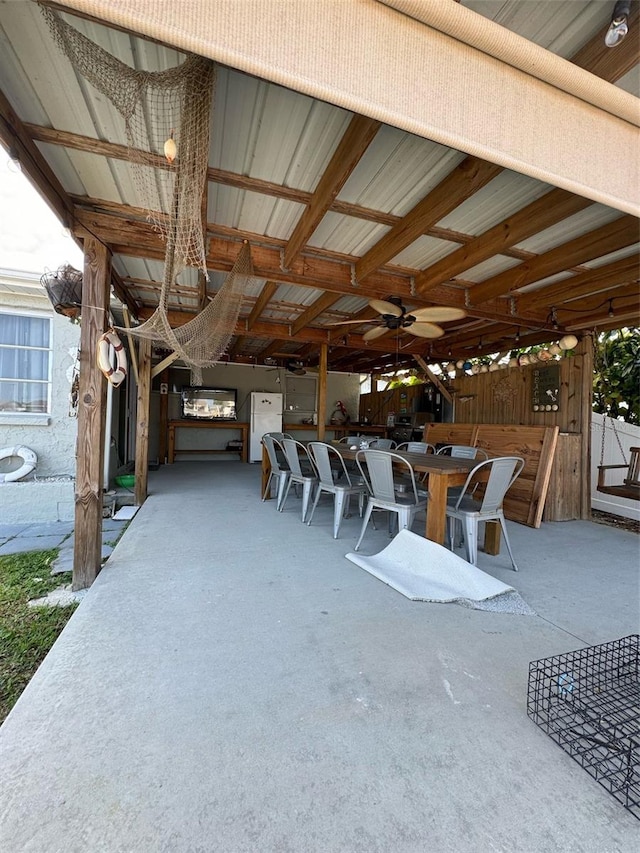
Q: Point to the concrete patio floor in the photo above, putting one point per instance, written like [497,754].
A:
[232,683]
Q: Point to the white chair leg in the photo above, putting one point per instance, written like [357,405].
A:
[283,493]
[314,504]
[268,486]
[470,527]
[365,521]
[507,543]
[340,505]
[306,496]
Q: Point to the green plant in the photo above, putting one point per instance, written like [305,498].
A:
[616,374]
[26,633]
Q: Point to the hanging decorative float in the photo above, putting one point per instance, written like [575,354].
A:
[114,375]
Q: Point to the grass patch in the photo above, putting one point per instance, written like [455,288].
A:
[26,633]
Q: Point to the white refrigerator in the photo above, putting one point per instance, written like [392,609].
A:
[266,416]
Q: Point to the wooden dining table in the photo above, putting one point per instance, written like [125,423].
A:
[442,473]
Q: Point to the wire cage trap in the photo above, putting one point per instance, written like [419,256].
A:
[64,289]
[588,702]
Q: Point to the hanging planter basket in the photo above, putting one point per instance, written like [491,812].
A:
[64,289]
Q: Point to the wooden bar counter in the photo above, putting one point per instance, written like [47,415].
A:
[242,427]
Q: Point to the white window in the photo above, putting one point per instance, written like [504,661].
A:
[25,363]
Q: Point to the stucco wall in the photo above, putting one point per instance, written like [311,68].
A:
[48,493]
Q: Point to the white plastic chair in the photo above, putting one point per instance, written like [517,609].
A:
[334,478]
[279,467]
[297,457]
[416,447]
[468,512]
[377,469]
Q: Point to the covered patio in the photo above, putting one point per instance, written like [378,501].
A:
[241,686]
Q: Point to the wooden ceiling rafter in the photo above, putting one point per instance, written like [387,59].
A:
[266,294]
[461,183]
[618,234]
[609,64]
[606,276]
[345,158]
[318,307]
[548,210]
[90,145]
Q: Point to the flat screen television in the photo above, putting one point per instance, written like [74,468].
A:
[209,404]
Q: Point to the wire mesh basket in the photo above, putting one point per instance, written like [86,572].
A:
[588,702]
[64,289]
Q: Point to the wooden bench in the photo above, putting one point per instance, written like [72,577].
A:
[630,486]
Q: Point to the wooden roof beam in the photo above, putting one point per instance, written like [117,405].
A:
[553,207]
[266,294]
[346,157]
[619,234]
[609,64]
[603,277]
[15,137]
[318,307]
[460,184]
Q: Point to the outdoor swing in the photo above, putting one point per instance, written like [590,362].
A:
[630,486]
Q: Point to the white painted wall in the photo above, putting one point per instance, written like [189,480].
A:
[629,436]
[245,378]
[52,437]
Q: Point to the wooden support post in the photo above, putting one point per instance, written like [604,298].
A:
[92,395]
[322,391]
[142,421]
[164,417]
[585,349]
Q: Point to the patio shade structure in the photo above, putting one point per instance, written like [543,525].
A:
[472,155]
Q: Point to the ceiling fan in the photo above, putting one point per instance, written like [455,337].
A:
[423,322]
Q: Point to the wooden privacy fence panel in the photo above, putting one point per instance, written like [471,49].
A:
[535,444]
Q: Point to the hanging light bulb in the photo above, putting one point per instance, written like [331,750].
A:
[170,149]
[619,26]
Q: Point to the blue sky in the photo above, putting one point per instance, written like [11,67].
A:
[31,237]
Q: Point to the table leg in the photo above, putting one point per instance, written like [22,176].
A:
[492,537]
[436,507]
[266,470]
[244,435]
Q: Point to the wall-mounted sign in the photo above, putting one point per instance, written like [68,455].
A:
[545,389]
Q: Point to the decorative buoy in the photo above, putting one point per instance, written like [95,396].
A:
[29,462]
[114,375]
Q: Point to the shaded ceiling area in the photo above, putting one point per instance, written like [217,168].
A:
[339,208]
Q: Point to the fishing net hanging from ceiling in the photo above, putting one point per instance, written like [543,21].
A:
[158,106]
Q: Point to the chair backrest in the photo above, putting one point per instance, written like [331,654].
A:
[347,439]
[295,451]
[382,443]
[379,473]
[275,451]
[503,470]
[416,447]
[322,455]
[279,435]
[463,451]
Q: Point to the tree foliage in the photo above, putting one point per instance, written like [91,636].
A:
[616,380]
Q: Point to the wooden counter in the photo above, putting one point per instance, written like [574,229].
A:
[243,428]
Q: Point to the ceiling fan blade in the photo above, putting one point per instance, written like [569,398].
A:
[424,330]
[438,314]
[374,333]
[383,307]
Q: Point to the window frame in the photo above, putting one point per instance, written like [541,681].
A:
[39,315]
